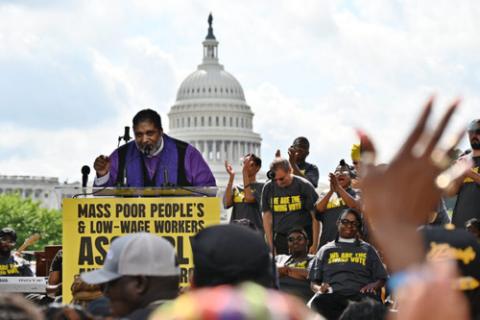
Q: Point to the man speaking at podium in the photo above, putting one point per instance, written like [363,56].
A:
[153,159]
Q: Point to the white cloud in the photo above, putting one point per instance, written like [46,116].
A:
[313,68]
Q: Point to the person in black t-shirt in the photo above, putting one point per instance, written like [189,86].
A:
[11,266]
[346,269]
[293,268]
[297,154]
[245,199]
[288,201]
[467,187]
[332,203]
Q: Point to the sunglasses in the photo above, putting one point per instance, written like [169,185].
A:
[477,131]
[347,222]
[292,239]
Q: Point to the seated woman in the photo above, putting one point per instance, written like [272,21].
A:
[293,268]
[346,269]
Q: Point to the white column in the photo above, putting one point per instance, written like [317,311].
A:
[230,151]
[214,150]
[223,154]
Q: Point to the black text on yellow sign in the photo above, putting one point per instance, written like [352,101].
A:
[90,225]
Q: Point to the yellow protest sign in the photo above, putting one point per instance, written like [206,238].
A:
[91,224]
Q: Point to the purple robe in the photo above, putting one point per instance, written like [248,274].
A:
[197,171]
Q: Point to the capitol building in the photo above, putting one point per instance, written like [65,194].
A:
[211,113]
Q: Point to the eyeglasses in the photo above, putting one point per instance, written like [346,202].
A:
[347,222]
[292,239]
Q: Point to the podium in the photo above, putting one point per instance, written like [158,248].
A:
[93,218]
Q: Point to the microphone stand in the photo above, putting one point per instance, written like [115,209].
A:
[126,137]
[271,176]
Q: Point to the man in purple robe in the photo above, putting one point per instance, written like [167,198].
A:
[153,159]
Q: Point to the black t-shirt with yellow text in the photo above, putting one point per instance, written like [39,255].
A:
[347,267]
[11,268]
[468,200]
[292,205]
[247,210]
[329,217]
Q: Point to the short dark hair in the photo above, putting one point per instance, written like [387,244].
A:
[256,160]
[355,212]
[150,116]
[473,222]
[367,309]
[280,163]
[298,229]
[7,231]
[302,141]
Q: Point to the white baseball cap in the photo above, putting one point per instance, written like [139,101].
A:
[134,255]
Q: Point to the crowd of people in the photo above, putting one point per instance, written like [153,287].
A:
[377,244]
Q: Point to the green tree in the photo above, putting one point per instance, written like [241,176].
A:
[28,217]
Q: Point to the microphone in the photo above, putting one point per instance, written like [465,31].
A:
[126,135]
[271,174]
[165,178]
[85,173]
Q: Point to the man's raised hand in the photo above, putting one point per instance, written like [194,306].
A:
[102,165]
[229,169]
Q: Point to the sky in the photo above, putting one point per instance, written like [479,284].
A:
[74,72]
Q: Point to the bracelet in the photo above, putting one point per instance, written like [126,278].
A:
[247,186]
[400,278]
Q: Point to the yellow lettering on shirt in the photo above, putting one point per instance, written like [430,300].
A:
[441,251]
[287,203]
[9,269]
[238,196]
[348,257]
[335,203]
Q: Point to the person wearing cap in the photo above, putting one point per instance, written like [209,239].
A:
[245,199]
[356,160]
[339,197]
[230,254]
[467,188]
[152,159]
[297,154]
[445,242]
[140,273]
[11,265]
[288,201]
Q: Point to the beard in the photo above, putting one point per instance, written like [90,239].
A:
[149,149]
[475,143]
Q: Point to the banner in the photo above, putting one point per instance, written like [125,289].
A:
[91,224]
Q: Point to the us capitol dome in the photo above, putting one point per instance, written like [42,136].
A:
[211,113]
